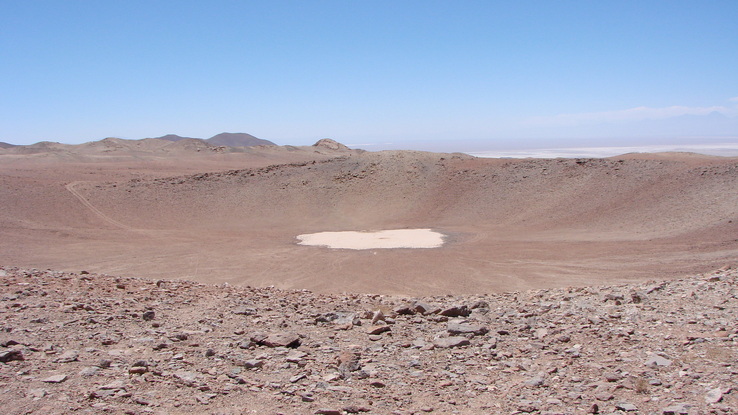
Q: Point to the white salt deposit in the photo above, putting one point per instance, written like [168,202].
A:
[394,238]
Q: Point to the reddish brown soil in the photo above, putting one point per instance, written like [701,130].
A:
[213,216]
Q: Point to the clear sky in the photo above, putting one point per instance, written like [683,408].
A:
[452,75]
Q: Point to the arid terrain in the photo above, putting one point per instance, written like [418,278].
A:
[187,209]
[165,276]
[87,343]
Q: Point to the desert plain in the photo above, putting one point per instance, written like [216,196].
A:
[154,276]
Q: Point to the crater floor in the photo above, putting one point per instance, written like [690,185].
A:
[385,239]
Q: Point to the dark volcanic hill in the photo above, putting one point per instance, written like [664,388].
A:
[238,140]
[6,145]
[175,137]
[225,139]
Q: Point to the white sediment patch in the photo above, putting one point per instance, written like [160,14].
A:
[387,239]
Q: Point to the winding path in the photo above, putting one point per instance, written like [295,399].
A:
[95,210]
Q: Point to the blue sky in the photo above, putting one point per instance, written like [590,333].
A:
[469,75]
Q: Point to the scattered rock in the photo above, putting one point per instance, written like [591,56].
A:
[283,339]
[10,355]
[55,379]
[536,381]
[656,360]
[89,371]
[456,311]
[377,317]
[603,396]
[107,340]
[551,351]
[355,409]
[68,356]
[115,385]
[612,376]
[404,310]
[425,309]
[8,343]
[185,377]
[37,393]
[677,409]
[253,363]
[377,329]
[451,341]
[244,311]
[627,407]
[298,377]
[714,395]
[295,356]
[460,327]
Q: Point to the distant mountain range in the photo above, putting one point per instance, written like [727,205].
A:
[222,139]
[225,139]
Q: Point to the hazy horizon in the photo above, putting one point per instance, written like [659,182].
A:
[727,147]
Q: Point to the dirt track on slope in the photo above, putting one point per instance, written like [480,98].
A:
[93,209]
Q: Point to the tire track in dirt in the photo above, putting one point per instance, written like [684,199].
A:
[95,210]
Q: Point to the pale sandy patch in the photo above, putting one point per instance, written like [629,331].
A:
[387,239]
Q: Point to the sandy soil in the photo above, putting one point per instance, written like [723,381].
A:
[210,216]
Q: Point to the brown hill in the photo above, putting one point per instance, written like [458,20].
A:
[511,224]
[330,144]
[41,146]
[119,146]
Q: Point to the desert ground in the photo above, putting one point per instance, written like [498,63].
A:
[160,277]
[189,210]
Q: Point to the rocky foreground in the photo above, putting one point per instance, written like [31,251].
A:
[85,343]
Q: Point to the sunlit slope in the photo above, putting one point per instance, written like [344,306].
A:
[594,198]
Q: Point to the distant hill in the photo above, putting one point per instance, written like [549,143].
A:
[330,144]
[222,139]
[238,140]
[225,139]
[175,137]
[224,142]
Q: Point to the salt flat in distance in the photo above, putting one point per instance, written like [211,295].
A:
[386,239]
